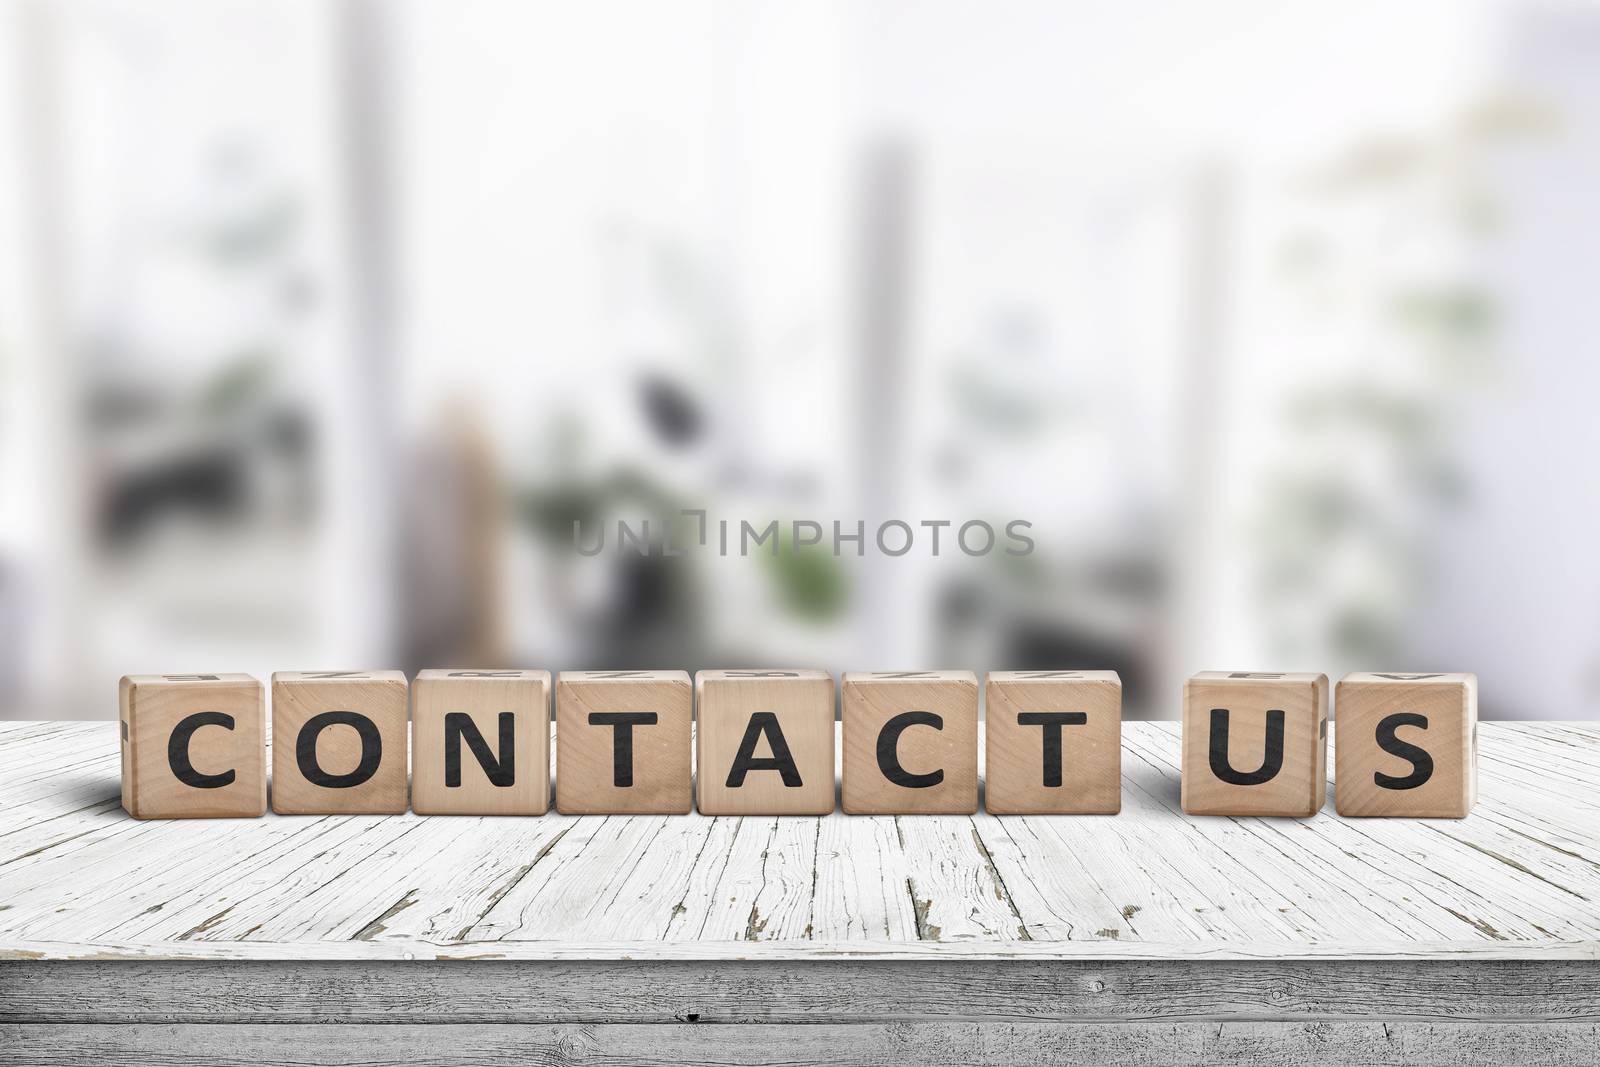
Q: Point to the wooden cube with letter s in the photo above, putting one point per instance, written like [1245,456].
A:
[480,742]
[622,743]
[194,746]
[339,742]
[1255,743]
[910,742]
[1406,744]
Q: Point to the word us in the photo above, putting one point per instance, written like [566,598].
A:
[1254,743]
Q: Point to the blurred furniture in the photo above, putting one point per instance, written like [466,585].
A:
[1142,938]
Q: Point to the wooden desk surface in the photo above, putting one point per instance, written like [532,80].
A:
[1519,880]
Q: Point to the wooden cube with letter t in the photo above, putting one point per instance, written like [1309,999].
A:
[1054,742]
[480,742]
[1255,743]
[1406,744]
[910,742]
[765,742]
[339,742]
[194,746]
[622,743]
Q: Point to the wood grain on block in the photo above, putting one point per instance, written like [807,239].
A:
[194,746]
[1407,744]
[624,743]
[1054,743]
[764,742]
[480,742]
[1255,743]
[910,742]
[339,742]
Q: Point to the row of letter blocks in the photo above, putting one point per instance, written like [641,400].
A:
[194,746]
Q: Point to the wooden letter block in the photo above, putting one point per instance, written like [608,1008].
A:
[765,742]
[1406,744]
[194,746]
[910,742]
[1054,743]
[339,742]
[480,742]
[622,743]
[1255,743]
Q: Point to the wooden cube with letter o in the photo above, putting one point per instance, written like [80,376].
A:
[339,742]
[194,746]
[480,742]
[1406,744]
[764,740]
[910,742]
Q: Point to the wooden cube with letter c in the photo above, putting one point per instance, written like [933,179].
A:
[1053,743]
[339,742]
[1255,743]
[194,746]
[1406,744]
[480,742]
[765,742]
[910,742]
[622,743]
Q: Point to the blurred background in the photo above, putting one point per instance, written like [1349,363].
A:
[321,324]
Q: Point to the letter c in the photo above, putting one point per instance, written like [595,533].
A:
[178,750]
[889,755]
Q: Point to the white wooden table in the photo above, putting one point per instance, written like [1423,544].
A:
[1148,937]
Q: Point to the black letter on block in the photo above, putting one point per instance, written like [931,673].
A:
[1271,761]
[1052,721]
[1421,762]
[501,772]
[622,740]
[888,745]
[305,749]
[764,722]
[178,750]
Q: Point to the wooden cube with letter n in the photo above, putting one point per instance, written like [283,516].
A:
[1053,742]
[1406,744]
[764,742]
[480,742]
[194,746]
[1255,743]
[339,742]
[622,743]
[910,742]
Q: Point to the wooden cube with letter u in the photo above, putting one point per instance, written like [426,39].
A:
[910,742]
[765,742]
[1053,742]
[622,743]
[1255,743]
[1406,744]
[480,742]
[339,742]
[194,746]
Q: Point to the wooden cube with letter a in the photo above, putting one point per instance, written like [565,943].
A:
[480,742]
[764,742]
[1255,743]
[1053,742]
[1406,744]
[622,743]
[194,746]
[910,742]
[339,742]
